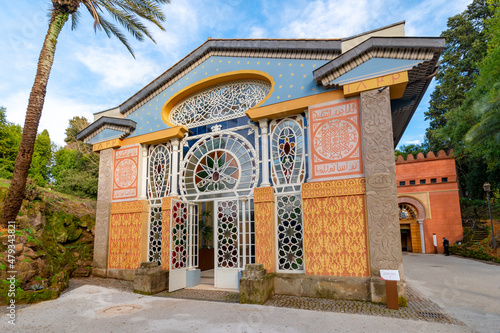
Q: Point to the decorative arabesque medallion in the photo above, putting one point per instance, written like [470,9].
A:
[290,237]
[220,102]
[217,170]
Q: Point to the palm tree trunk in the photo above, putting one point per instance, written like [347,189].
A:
[15,196]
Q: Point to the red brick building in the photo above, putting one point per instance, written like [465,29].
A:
[428,201]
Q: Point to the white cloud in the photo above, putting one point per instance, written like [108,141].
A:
[332,19]
[56,113]
[414,142]
[257,32]
[117,68]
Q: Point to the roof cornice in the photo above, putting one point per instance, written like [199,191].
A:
[418,48]
[124,125]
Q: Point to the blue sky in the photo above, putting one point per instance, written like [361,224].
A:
[92,73]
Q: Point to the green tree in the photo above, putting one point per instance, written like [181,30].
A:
[128,13]
[76,168]
[413,149]
[42,159]
[466,45]
[10,137]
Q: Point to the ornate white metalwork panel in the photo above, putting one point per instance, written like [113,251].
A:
[290,233]
[179,222]
[218,164]
[220,102]
[155,230]
[227,234]
[287,151]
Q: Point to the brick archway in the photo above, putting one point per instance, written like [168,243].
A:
[421,213]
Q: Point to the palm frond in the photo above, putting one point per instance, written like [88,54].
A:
[75,19]
[128,13]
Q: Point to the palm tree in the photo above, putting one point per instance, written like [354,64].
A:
[126,12]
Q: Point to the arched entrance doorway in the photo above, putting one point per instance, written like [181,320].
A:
[409,228]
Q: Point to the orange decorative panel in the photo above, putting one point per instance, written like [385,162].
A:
[125,173]
[335,145]
[125,235]
[264,227]
[334,188]
[334,221]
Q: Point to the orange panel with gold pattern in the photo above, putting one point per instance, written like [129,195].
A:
[335,241]
[125,234]
[125,173]
[264,227]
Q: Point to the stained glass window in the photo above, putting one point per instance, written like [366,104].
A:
[179,235]
[218,164]
[290,235]
[155,228]
[220,102]
[158,172]
[287,151]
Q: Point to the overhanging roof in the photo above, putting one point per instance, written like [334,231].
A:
[124,125]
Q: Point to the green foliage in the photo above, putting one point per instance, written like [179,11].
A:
[466,45]
[465,251]
[413,149]
[463,104]
[76,168]
[10,137]
[42,159]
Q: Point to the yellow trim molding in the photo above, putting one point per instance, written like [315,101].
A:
[150,138]
[212,81]
[293,106]
[397,81]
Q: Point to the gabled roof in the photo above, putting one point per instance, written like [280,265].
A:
[123,125]
[325,49]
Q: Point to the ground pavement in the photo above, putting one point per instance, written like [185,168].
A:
[111,307]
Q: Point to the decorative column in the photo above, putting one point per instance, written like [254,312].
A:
[101,241]
[174,167]
[381,192]
[143,172]
[265,153]
[422,236]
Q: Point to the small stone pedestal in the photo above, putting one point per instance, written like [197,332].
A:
[256,286]
[150,279]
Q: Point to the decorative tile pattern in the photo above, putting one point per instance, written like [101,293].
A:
[335,139]
[155,231]
[335,236]
[264,227]
[333,188]
[263,194]
[126,167]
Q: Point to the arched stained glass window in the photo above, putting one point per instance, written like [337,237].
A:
[287,151]
[158,171]
[218,164]
[220,102]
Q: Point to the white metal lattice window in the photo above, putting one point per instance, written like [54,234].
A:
[217,165]
[287,152]
[290,233]
[155,230]
[220,102]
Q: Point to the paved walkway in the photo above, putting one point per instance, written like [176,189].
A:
[468,289]
[435,304]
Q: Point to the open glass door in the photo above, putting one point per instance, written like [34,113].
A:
[183,242]
[234,241]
